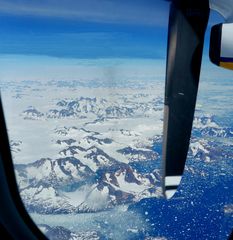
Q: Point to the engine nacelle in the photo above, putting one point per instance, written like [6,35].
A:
[221,45]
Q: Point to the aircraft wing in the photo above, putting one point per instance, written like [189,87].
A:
[224,7]
[187,24]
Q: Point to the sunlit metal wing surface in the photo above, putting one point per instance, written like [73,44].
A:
[187,24]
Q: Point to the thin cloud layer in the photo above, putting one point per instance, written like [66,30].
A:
[145,12]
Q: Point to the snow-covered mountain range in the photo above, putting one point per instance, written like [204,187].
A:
[101,108]
[93,170]
[98,147]
[62,233]
[83,148]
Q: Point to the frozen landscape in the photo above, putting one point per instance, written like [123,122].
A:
[87,154]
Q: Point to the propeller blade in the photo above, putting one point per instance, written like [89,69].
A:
[187,24]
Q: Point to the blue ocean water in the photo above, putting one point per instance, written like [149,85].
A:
[203,206]
[196,212]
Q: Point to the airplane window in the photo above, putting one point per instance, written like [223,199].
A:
[82,85]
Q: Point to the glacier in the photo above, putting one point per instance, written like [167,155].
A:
[90,148]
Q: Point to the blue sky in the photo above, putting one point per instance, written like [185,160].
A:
[85,28]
